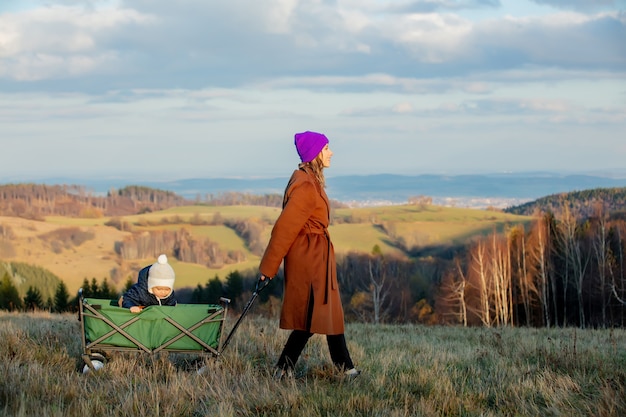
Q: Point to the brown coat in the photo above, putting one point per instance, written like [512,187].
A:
[300,237]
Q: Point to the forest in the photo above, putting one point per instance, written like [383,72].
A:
[564,271]
[581,203]
[565,268]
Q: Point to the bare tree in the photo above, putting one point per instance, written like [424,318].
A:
[458,291]
[368,278]
[567,233]
[620,260]
[603,259]
[575,262]
[378,284]
[526,271]
[501,280]
[540,256]
[479,268]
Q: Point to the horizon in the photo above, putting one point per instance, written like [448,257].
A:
[617,173]
[497,190]
[163,91]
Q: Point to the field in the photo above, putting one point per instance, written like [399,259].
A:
[355,229]
[408,370]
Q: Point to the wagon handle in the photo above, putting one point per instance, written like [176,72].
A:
[260,287]
[261,284]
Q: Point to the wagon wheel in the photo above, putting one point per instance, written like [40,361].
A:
[93,362]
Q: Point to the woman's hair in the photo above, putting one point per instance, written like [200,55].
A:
[317,166]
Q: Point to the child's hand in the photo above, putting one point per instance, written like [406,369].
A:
[135,309]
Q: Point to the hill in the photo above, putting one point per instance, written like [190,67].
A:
[585,203]
[79,248]
[27,275]
[38,200]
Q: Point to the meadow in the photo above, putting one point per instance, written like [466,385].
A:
[408,370]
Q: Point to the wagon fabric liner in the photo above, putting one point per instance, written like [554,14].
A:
[183,328]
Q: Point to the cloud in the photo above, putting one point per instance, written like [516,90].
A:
[432,6]
[194,44]
[452,74]
[62,42]
[567,40]
[583,5]
[496,110]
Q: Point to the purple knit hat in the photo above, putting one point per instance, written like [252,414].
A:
[309,145]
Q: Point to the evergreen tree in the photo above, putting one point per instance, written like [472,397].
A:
[86,289]
[94,288]
[106,291]
[214,291]
[61,298]
[129,283]
[234,286]
[33,300]
[198,295]
[9,296]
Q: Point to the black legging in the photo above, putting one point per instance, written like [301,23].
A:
[298,340]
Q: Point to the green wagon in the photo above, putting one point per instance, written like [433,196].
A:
[185,328]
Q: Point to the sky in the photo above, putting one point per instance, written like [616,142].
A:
[164,90]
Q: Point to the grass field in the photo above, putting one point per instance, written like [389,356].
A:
[382,226]
[408,370]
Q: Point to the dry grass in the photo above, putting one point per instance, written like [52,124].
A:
[408,370]
[93,258]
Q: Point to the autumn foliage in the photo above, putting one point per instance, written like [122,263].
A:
[563,271]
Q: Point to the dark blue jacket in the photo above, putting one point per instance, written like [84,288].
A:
[138,294]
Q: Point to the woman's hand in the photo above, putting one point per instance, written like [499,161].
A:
[135,309]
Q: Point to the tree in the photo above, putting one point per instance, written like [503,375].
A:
[129,283]
[61,297]
[106,291]
[94,288]
[618,282]
[9,296]
[86,289]
[458,293]
[198,295]
[576,261]
[33,300]
[214,290]
[540,250]
[375,291]
[234,286]
[479,269]
[604,258]
[501,280]
[361,304]
[378,290]
[523,274]
[451,297]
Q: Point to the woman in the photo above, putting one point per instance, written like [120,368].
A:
[311,302]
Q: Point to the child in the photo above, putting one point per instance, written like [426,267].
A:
[155,286]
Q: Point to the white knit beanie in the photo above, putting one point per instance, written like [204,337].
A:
[161,274]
